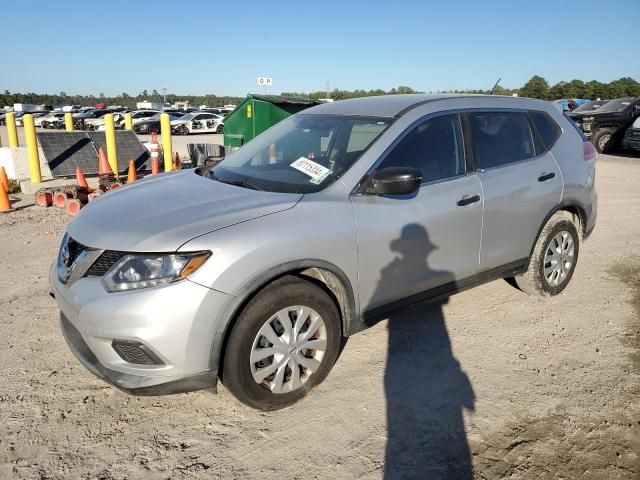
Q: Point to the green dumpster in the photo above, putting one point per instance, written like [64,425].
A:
[257,113]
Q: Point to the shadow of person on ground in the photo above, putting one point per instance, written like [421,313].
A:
[425,387]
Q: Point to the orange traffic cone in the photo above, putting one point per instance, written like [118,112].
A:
[103,164]
[5,201]
[4,180]
[132,176]
[154,147]
[81,181]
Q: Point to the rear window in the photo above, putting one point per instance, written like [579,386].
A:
[548,130]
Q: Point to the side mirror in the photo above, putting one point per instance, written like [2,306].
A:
[395,181]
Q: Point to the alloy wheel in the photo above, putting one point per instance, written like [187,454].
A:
[602,142]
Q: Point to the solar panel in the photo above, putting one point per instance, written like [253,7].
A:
[64,151]
[128,147]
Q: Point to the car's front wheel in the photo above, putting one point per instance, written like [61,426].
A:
[554,257]
[604,140]
[284,342]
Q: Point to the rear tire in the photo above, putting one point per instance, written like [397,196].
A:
[604,140]
[313,321]
[554,257]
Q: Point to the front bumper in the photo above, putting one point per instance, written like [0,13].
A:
[631,142]
[176,322]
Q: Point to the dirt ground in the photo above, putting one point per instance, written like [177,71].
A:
[521,387]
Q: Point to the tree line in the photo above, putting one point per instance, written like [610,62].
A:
[124,99]
[535,87]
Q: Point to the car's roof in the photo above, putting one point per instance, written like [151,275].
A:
[397,105]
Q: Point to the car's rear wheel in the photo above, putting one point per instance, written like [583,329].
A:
[220,129]
[554,257]
[603,140]
[284,342]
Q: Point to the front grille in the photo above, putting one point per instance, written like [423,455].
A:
[105,261]
[135,352]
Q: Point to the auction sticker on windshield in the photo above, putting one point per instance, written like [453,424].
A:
[316,171]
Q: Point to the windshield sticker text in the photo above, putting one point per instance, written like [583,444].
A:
[316,171]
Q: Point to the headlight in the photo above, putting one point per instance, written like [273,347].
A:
[135,271]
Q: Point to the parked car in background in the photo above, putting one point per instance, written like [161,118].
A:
[570,104]
[198,123]
[631,138]
[152,124]
[605,126]
[36,115]
[83,119]
[255,270]
[98,123]
[585,110]
[140,115]
[51,120]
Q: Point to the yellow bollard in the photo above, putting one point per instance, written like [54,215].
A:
[68,122]
[165,132]
[112,153]
[11,129]
[128,121]
[32,148]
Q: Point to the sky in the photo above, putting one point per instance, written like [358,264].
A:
[216,47]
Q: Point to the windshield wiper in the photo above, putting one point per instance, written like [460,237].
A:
[237,183]
[240,183]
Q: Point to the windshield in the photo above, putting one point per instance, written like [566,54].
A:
[617,105]
[188,116]
[301,154]
[590,106]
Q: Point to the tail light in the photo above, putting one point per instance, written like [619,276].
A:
[589,152]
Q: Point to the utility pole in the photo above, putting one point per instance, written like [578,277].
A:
[164,94]
[328,89]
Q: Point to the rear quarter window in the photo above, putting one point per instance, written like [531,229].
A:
[548,130]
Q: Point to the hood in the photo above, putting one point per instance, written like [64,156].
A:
[161,213]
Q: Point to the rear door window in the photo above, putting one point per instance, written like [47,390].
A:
[500,138]
[547,129]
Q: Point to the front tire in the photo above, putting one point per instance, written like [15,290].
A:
[603,140]
[284,343]
[554,257]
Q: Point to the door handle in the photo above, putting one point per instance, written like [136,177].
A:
[468,200]
[546,176]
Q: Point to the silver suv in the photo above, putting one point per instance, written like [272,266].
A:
[256,270]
